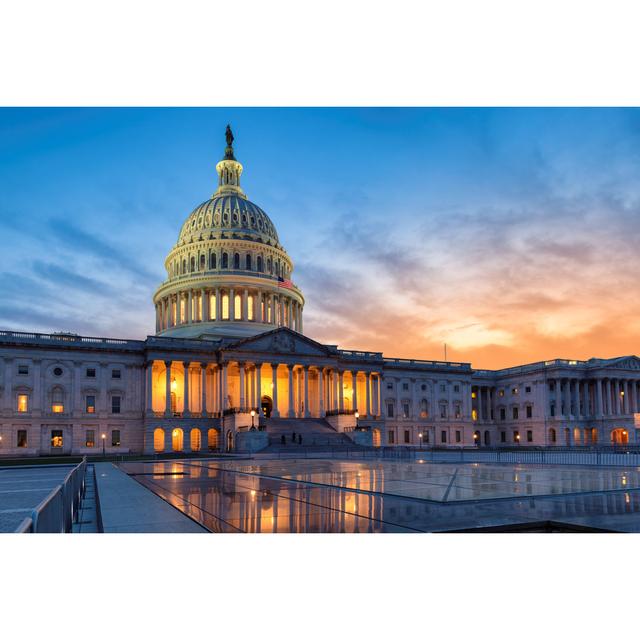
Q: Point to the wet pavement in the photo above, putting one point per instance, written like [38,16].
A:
[294,496]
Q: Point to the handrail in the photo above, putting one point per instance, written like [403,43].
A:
[59,510]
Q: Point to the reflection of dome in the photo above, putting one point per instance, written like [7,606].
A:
[227,275]
[232,215]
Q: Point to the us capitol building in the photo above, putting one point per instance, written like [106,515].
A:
[230,368]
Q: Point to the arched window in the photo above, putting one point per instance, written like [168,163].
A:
[193,264]
[158,439]
[552,435]
[250,311]
[203,262]
[212,261]
[247,263]
[225,306]
[269,265]
[212,439]
[195,439]
[225,260]
[184,266]
[237,308]
[236,261]
[424,408]
[259,264]
[177,441]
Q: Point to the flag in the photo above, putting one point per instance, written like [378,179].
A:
[286,284]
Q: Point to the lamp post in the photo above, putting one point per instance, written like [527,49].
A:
[104,437]
[518,438]
[253,414]
[357,415]
[420,437]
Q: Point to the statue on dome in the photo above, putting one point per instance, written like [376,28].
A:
[229,136]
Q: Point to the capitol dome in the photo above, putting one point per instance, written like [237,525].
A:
[227,275]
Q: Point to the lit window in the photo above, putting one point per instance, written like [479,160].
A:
[250,309]
[516,436]
[56,439]
[90,404]
[90,440]
[212,306]
[23,403]
[22,438]
[57,407]
[474,414]
[115,438]
[116,374]
[514,391]
[115,404]
[501,393]
[225,306]
[474,395]
[237,306]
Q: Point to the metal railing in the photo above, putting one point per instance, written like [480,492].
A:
[59,510]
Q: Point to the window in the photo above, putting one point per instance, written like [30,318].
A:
[529,411]
[425,437]
[501,393]
[57,372]
[458,411]
[23,370]
[423,387]
[115,438]
[56,439]
[405,410]
[443,388]
[91,373]
[405,386]
[456,388]
[552,435]
[503,413]
[389,411]
[23,403]
[529,436]
[515,413]
[225,260]
[57,407]
[443,437]
[22,438]
[90,404]
[514,391]
[236,260]
[389,385]
[192,264]
[458,436]
[212,261]
[247,264]
[391,437]
[527,389]
[503,436]
[552,409]
[516,436]
[203,262]
[443,410]
[90,439]
[407,436]
[116,374]
[115,404]
[259,263]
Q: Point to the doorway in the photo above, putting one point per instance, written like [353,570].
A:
[267,406]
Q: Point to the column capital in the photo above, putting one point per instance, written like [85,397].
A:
[168,363]
[204,365]
[186,363]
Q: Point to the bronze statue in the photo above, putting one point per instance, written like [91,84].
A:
[229,136]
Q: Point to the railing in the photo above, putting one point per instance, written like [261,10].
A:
[58,511]
[340,412]
[70,337]
[431,363]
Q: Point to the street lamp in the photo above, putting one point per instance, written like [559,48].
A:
[253,414]
[104,437]
[357,415]
[420,436]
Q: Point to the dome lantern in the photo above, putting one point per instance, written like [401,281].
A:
[229,171]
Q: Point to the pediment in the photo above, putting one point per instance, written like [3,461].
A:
[282,341]
[630,363]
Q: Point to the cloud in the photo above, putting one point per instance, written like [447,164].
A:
[62,277]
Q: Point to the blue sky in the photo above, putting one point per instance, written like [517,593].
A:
[510,234]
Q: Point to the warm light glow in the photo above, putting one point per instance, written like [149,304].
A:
[420,436]
[175,432]
[22,403]
[174,385]
[357,415]
[57,407]
[253,413]
[103,436]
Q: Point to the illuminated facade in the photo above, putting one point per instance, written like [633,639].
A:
[229,358]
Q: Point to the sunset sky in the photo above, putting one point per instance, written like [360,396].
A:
[512,235]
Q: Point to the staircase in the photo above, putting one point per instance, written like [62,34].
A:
[315,432]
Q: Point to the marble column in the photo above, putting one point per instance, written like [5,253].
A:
[306,413]
[185,401]
[368,394]
[341,391]
[321,408]
[242,384]
[618,397]
[290,409]
[232,305]
[274,375]
[203,389]
[224,386]
[599,410]
[259,388]
[189,306]
[206,305]
[245,304]
[149,388]
[167,407]
[354,384]
[218,305]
